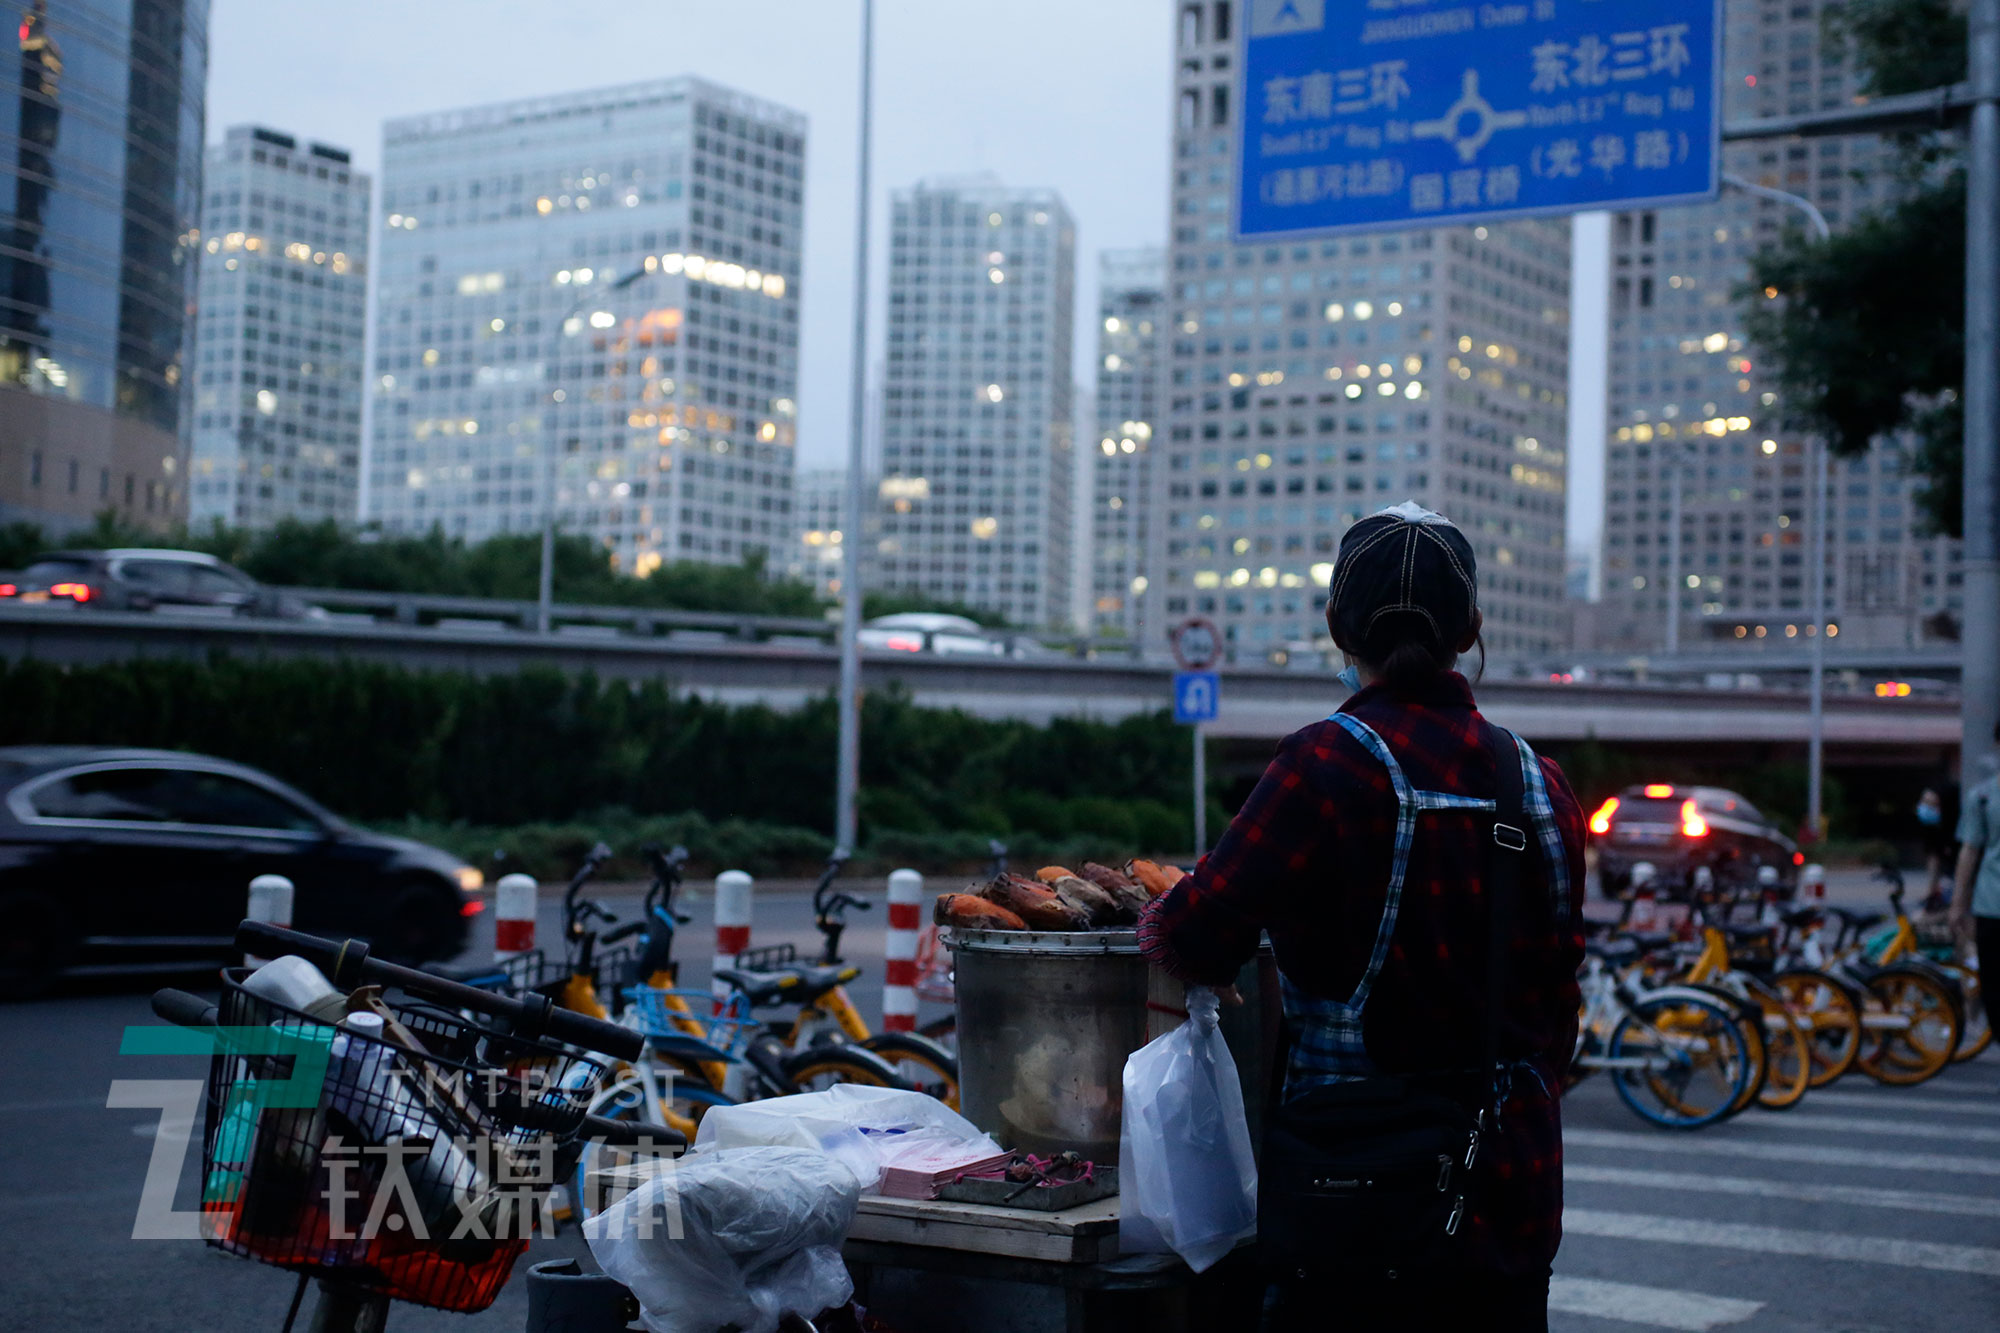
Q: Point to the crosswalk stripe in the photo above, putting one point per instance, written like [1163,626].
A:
[1657,1307]
[1854,1124]
[1783,1240]
[1862,1195]
[1714,1145]
[1889,1101]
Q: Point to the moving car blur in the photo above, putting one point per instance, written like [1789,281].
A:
[140,579]
[120,858]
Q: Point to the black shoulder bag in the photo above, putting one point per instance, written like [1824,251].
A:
[1370,1177]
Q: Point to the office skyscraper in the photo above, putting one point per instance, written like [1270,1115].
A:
[976,426]
[1131,336]
[1310,384]
[603,285]
[1686,392]
[100,204]
[819,494]
[283,305]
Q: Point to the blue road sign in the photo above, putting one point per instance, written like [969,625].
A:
[1407,113]
[1196,694]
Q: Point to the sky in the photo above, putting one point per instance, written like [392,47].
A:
[1070,94]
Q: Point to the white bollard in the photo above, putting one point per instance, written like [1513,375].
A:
[514,900]
[899,957]
[732,923]
[271,903]
[1812,884]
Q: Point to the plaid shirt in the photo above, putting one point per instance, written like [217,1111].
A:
[1309,859]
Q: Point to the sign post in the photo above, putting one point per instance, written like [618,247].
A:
[1197,695]
[1436,112]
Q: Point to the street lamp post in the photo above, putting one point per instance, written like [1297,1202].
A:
[1822,512]
[848,767]
[545,590]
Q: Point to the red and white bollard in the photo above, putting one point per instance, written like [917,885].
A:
[1812,884]
[732,923]
[899,959]
[1644,914]
[514,916]
[270,903]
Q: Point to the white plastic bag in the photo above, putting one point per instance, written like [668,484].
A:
[1186,1179]
[734,1238]
[864,1128]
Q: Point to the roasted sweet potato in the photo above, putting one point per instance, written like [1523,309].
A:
[1050,874]
[1035,903]
[1155,879]
[1098,906]
[974,913]
[1130,898]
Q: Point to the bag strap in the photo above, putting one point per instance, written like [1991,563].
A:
[1503,873]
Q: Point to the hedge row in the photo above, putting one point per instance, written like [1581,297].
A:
[379,743]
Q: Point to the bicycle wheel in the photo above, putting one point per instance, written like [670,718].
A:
[923,1062]
[1831,1017]
[1916,1033]
[820,1067]
[625,1100]
[1679,1062]
[1749,1017]
[1978,1033]
[1787,1048]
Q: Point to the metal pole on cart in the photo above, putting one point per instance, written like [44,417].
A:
[1200,793]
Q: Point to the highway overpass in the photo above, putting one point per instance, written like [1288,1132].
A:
[1258,704]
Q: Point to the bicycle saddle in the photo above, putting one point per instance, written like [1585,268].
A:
[1856,920]
[1648,939]
[789,985]
[1613,951]
[1748,932]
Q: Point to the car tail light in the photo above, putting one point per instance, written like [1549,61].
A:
[1600,823]
[79,592]
[8,590]
[1692,824]
[902,643]
[1798,858]
[1660,791]
[472,907]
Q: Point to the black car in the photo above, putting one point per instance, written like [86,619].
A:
[1677,829]
[114,858]
[137,579]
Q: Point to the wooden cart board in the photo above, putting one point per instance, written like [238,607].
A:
[1086,1234]
[1046,1198]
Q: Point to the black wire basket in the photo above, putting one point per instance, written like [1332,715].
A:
[417,1165]
[612,972]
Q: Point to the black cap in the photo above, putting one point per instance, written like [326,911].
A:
[1404,573]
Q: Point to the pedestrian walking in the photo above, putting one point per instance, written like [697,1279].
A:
[1380,850]
[1937,845]
[1975,899]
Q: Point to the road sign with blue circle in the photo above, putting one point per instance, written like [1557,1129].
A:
[1196,695]
[1404,113]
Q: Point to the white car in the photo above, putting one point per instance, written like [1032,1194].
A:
[930,632]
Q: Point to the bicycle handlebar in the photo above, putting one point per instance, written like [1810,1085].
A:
[189,1011]
[347,964]
[630,1133]
[623,932]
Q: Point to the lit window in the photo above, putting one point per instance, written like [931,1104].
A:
[993,393]
[1364,310]
[985,528]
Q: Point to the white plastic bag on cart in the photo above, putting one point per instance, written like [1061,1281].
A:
[1186,1179]
[865,1128]
[735,1238]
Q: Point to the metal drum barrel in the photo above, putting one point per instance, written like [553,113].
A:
[1045,1021]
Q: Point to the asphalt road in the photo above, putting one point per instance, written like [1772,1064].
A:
[1864,1209]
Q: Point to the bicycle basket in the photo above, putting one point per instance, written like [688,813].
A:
[768,957]
[723,1024]
[419,1174]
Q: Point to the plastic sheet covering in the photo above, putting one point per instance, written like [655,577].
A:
[735,1238]
[1186,1177]
[864,1128]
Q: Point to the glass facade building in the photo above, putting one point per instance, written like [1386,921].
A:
[603,286]
[1131,336]
[976,414]
[283,306]
[100,184]
[1309,384]
[1686,392]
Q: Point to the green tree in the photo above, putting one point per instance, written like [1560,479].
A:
[1867,329]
